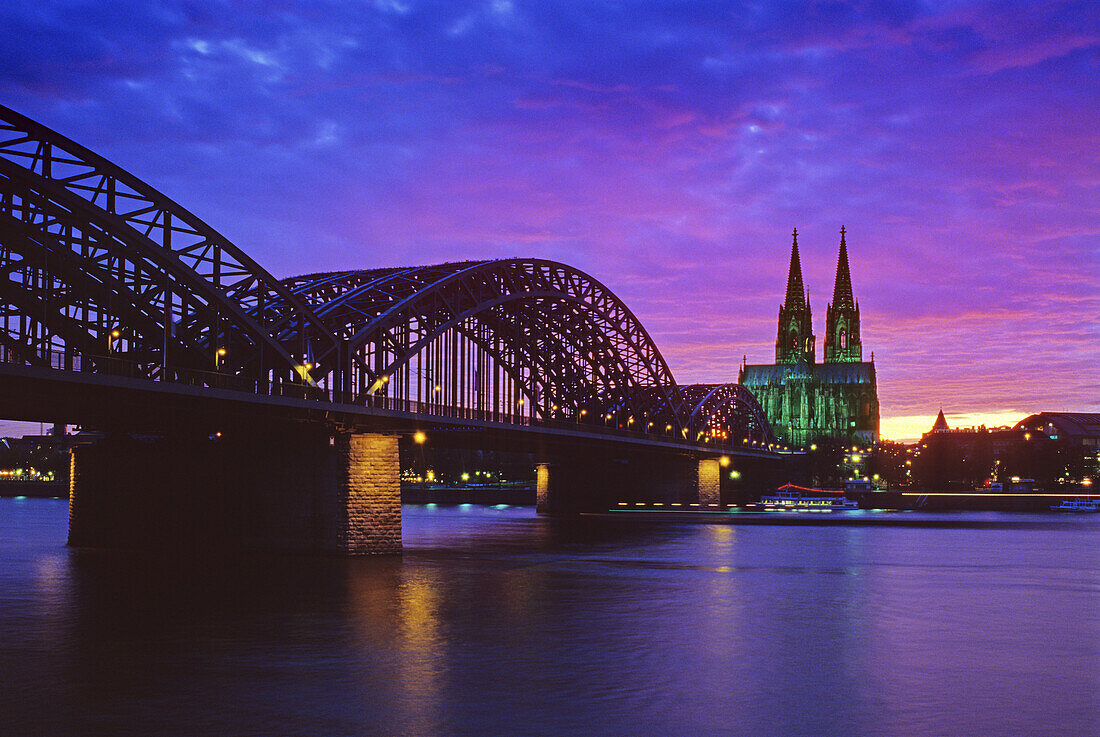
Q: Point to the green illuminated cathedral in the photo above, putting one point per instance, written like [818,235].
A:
[806,401]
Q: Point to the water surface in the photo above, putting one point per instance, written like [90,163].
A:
[497,621]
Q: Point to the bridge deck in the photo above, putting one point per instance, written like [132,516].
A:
[40,394]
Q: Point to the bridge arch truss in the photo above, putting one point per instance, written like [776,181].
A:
[99,267]
[523,338]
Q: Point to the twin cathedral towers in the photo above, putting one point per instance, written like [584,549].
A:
[806,401]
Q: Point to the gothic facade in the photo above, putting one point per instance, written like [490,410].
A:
[806,401]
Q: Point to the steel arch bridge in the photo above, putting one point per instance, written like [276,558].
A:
[104,274]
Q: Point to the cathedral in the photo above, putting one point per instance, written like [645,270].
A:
[806,401]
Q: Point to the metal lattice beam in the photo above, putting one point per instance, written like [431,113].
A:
[205,291]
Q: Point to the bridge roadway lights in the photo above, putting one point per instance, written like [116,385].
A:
[591,482]
[296,487]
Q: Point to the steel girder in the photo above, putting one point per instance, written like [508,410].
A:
[570,342]
[86,282]
[708,411]
[130,259]
[565,338]
[729,411]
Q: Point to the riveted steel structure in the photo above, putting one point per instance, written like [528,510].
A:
[100,267]
[529,338]
[101,273]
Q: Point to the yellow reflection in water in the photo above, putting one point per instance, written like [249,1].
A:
[422,664]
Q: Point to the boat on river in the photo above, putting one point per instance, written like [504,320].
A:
[1077,504]
[794,498]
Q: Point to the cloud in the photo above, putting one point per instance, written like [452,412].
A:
[1034,51]
[666,149]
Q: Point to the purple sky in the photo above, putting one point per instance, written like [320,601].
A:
[667,149]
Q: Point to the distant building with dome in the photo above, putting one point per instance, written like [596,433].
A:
[807,401]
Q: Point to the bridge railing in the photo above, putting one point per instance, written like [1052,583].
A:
[115,365]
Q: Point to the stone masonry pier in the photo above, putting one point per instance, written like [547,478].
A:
[293,487]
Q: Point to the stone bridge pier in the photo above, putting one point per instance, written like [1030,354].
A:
[295,487]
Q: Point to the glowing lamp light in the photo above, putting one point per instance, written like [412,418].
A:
[419,437]
[115,333]
[724,461]
[221,351]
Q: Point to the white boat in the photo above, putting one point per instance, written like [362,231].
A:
[1077,504]
[790,497]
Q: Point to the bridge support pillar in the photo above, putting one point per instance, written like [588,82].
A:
[708,481]
[367,495]
[284,488]
[542,487]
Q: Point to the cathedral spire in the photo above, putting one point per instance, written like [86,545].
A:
[842,289]
[842,343]
[794,340]
[795,291]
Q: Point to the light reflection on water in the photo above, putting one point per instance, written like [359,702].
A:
[496,621]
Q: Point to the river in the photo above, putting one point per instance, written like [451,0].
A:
[496,621]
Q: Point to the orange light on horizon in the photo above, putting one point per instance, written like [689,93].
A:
[910,428]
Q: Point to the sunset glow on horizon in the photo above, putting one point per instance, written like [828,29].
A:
[666,150]
[908,429]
